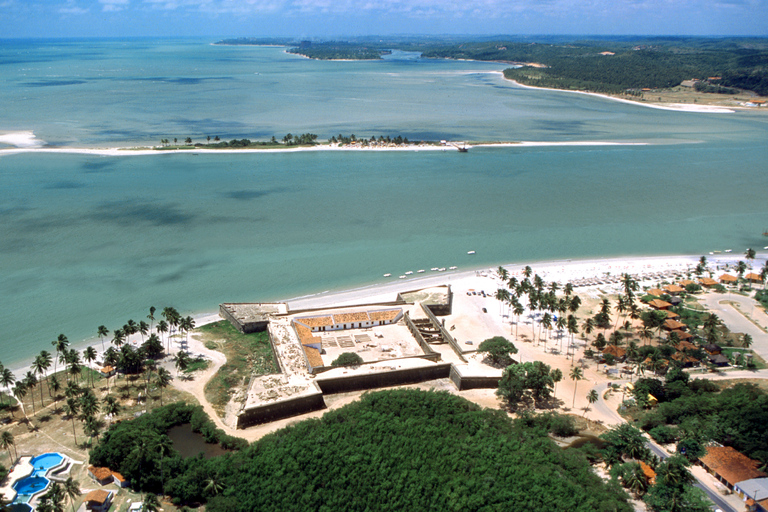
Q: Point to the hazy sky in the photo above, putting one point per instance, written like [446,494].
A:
[329,18]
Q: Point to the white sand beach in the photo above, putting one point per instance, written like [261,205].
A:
[26,142]
[562,271]
[678,107]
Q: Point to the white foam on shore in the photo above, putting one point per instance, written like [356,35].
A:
[21,139]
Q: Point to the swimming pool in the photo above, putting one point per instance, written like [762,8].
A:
[42,463]
[36,482]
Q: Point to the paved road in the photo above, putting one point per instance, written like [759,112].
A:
[734,319]
[611,417]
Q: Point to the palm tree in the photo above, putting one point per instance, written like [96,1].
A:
[592,397]
[189,324]
[546,322]
[90,355]
[150,503]
[71,409]
[118,337]
[38,367]
[72,490]
[102,332]
[31,381]
[164,378]
[518,310]
[60,344]
[6,442]
[151,316]
[502,273]
[646,334]
[182,361]
[162,326]
[214,485]
[7,378]
[557,376]
[750,255]
[576,375]
[741,267]
[111,405]
[573,328]
[746,341]
[20,391]
[588,326]
[53,388]
[527,271]
[502,295]
[150,365]
[143,329]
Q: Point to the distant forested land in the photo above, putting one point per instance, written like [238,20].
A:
[618,66]
[609,65]
[392,450]
[327,50]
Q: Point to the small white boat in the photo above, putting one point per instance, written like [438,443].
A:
[452,268]
[433,269]
[421,271]
[470,252]
[766,247]
[409,272]
[711,252]
[729,250]
[441,269]
[387,275]
[402,277]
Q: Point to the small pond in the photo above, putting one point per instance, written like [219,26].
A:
[189,443]
[583,439]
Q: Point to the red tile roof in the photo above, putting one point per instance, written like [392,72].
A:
[98,496]
[674,325]
[377,316]
[316,321]
[344,318]
[731,465]
[100,473]
[659,304]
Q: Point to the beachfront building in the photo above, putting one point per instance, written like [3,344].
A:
[659,304]
[754,492]
[98,500]
[730,466]
[707,282]
[350,320]
[728,279]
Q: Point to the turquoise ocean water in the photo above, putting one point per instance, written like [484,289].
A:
[88,240]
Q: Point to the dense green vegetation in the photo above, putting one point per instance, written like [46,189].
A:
[338,50]
[696,412]
[654,63]
[611,65]
[141,450]
[347,359]
[498,349]
[393,450]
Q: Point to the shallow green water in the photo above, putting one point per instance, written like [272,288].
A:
[87,240]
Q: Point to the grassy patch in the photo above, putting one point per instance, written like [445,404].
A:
[756,359]
[247,355]
[197,365]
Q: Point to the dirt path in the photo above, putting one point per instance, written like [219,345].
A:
[196,384]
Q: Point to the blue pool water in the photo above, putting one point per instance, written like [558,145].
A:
[37,481]
[30,485]
[42,463]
